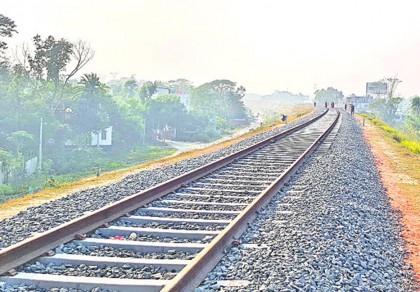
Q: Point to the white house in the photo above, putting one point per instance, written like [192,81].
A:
[102,138]
[160,91]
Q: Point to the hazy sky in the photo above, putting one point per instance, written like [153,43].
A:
[263,45]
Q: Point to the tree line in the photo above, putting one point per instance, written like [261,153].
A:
[40,81]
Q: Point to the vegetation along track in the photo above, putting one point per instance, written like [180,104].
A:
[170,236]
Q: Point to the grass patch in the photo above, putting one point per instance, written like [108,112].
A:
[104,163]
[139,155]
[398,136]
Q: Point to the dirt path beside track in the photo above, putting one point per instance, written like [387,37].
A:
[400,173]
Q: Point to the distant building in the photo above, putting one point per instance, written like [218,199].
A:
[361,103]
[102,138]
[161,91]
[184,97]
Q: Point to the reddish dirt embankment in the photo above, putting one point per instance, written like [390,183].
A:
[400,173]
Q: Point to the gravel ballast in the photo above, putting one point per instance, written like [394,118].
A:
[331,229]
[124,272]
[51,214]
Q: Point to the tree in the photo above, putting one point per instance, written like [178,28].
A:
[49,65]
[219,98]
[130,88]
[328,95]
[8,163]
[415,105]
[204,103]
[147,90]
[19,140]
[166,110]
[7,29]
[392,83]
[81,54]
[91,110]
[50,58]
[128,121]
[180,84]
[413,119]
[386,109]
[225,88]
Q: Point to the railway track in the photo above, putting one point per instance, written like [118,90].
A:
[170,236]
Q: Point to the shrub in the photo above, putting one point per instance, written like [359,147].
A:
[6,190]
[396,137]
[51,182]
[412,146]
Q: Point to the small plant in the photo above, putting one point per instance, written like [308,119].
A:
[6,190]
[51,182]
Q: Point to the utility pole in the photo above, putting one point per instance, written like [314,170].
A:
[144,132]
[40,147]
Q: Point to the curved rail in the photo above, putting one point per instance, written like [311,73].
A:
[22,252]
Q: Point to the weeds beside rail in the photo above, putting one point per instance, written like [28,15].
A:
[398,136]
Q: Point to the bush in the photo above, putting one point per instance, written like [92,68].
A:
[51,182]
[396,137]
[6,190]
[413,146]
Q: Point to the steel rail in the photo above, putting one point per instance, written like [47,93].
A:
[30,248]
[195,272]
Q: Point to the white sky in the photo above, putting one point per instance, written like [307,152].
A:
[263,45]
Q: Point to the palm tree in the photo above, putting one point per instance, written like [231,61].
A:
[90,112]
[92,84]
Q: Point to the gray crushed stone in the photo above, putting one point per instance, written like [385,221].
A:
[338,233]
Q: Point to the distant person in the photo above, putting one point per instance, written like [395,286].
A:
[352,109]
[326,104]
[332,104]
[314,104]
[284,118]
[345,107]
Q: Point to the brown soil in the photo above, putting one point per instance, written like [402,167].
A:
[400,174]
[13,207]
